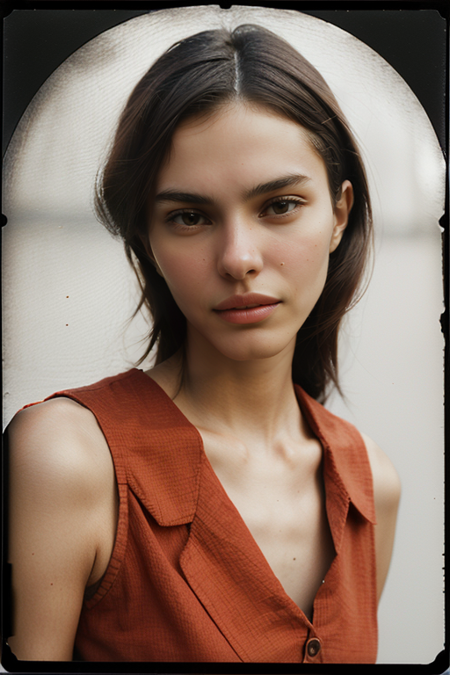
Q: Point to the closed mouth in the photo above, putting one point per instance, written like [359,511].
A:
[246,301]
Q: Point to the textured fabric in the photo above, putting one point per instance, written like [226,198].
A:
[186,580]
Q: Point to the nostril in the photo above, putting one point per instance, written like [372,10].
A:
[241,275]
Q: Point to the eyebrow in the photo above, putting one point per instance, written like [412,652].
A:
[175,196]
[263,188]
[286,181]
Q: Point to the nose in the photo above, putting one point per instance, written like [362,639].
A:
[239,251]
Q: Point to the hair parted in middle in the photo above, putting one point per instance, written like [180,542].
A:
[195,77]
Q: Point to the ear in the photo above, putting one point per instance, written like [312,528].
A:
[341,214]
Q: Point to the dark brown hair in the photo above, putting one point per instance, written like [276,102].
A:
[196,76]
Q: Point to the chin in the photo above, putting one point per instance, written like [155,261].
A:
[244,348]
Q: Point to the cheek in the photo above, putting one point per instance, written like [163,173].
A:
[304,254]
[185,271]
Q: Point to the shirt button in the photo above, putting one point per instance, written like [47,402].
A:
[313,647]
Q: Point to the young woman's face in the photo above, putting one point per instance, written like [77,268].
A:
[241,229]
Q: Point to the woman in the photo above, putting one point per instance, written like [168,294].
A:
[210,509]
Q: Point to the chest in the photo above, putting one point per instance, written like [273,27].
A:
[283,507]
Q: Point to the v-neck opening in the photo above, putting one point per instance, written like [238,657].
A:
[205,459]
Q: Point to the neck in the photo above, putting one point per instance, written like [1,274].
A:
[252,398]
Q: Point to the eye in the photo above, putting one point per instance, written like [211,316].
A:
[187,218]
[282,207]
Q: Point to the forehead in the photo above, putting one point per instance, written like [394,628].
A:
[239,143]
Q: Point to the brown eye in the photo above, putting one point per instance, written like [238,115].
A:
[282,207]
[188,218]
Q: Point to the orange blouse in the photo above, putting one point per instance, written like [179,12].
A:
[187,581]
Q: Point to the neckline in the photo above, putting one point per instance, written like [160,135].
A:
[288,601]
[346,468]
[300,395]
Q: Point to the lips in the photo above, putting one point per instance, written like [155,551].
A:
[247,300]
[247,309]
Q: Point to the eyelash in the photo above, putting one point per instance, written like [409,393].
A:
[288,200]
[277,200]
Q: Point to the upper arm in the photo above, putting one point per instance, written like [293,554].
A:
[387,489]
[55,496]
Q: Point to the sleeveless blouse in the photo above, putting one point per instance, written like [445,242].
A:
[186,581]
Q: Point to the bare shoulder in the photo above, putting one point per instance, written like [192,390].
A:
[59,437]
[62,519]
[60,413]
[387,489]
[386,481]
[59,463]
